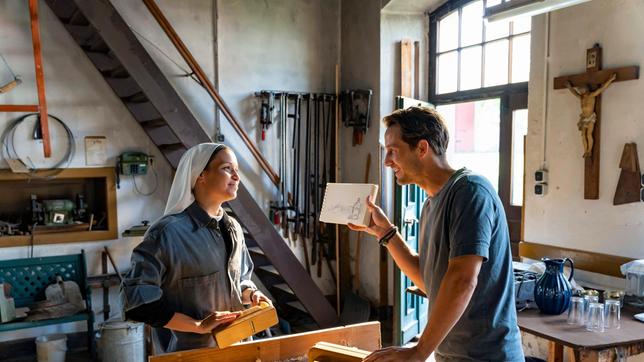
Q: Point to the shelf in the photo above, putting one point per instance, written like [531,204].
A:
[98,185]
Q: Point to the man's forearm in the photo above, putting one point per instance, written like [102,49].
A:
[407,261]
[453,297]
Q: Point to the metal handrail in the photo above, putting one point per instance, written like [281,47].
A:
[196,69]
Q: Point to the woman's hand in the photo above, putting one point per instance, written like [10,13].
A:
[183,323]
[215,320]
[254,297]
[379,223]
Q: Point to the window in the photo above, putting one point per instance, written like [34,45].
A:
[478,82]
[471,53]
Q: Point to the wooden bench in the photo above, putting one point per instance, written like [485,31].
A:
[29,277]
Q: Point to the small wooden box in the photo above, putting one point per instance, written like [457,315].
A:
[324,351]
[252,321]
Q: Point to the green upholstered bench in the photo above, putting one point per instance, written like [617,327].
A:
[29,277]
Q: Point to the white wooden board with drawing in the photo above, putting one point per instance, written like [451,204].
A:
[347,203]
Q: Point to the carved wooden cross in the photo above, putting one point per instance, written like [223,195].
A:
[593,78]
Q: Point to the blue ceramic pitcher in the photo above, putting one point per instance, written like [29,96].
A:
[553,291]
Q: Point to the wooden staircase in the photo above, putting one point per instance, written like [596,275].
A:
[110,44]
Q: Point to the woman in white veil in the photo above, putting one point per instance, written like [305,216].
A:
[193,261]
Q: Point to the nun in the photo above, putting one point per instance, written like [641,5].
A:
[193,262]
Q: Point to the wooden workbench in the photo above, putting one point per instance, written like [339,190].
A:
[294,347]
[585,345]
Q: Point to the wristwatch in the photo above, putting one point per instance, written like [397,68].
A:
[384,240]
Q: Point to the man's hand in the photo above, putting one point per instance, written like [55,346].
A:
[412,354]
[256,297]
[379,223]
[215,320]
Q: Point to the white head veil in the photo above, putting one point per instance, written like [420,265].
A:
[192,163]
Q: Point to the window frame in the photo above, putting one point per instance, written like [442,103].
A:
[471,94]
[512,96]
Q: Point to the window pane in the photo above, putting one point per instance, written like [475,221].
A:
[447,72]
[496,63]
[472,24]
[519,130]
[496,30]
[492,3]
[471,68]
[474,136]
[521,58]
[521,25]
[448,32]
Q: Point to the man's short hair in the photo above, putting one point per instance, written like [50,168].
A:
[421,123]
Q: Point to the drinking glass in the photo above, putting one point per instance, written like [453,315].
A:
[612,314]
[576,315]
[587,300]
[595,321]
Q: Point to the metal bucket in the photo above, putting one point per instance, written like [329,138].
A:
[121,342]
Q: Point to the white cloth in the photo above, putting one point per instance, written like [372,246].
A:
[192,163]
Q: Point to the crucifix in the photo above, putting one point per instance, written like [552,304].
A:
[588,87]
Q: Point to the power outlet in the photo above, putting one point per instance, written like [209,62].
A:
[541,176]
[540,189]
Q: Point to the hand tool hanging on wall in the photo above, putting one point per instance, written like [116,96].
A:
[356,112]
[266,110]
[304,168]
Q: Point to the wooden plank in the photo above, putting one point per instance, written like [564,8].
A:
[18,108]
[584,260]
[406,48]
[331,352]
[365,336]
[596,78]
[40,77]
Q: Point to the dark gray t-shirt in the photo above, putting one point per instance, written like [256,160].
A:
[466,217]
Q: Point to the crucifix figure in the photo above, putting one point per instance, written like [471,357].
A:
[588,87]
[587,117]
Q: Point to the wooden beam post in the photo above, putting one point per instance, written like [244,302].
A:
[40,77]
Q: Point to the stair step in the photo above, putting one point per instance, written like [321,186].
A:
[173,152]
[297,305]
[63,9]
[82,34]
[153,123]
[77,18]
[119,72]
[270,269]
[139,97]
[123,86]
[143,111]
[162,135]
[103,62]
[256,250]
[285,288]
[97,44]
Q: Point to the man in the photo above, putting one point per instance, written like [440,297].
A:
[465,265]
